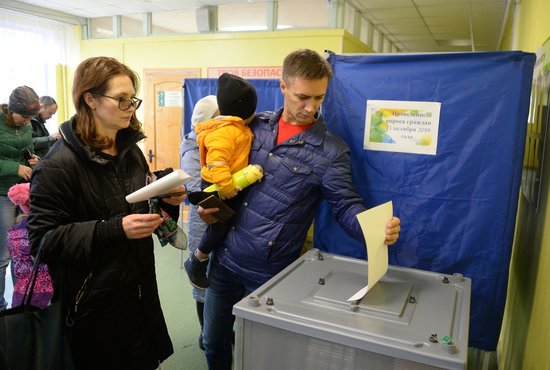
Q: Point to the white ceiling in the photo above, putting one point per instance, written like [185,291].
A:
[438,25]
[411,25]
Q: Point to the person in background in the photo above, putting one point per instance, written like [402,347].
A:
[205,109]
[21,258]
[16,162]
[303,163]
[99,248]
[41,138]
[224,143]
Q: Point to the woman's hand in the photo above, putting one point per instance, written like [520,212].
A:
[138,225]
[33,161]
[392,230]
[24,172]
[176,200]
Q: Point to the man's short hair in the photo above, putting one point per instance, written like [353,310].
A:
[46,101]
[307,64]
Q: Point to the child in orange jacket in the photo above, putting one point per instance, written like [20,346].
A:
[224,144]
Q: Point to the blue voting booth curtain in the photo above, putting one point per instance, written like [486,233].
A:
[269,93]
[457,207]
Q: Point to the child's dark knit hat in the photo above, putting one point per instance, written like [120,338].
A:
[236,96]
[24,101]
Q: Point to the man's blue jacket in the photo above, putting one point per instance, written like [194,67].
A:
[271,225]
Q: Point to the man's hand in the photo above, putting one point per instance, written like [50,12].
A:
[206,214]
[176,200]
[392,231]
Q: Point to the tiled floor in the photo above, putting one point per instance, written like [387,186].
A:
[179,310]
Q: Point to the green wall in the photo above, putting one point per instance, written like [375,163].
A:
[526,328]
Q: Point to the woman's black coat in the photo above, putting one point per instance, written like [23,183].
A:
[79,194]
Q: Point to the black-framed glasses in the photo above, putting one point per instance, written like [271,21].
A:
[125,104]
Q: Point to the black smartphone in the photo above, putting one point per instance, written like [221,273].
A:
[27,154]
[224,213]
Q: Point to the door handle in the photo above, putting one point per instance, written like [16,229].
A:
[150,155]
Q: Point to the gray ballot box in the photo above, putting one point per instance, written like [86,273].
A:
[300,319]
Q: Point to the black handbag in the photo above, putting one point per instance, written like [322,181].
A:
[34,338]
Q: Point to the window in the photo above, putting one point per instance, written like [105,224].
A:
[35,47]
[174,22]
[303,14]
[101,27]
[131,25]
[249,17]
[349,18]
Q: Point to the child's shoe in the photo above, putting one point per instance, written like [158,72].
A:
[196,271]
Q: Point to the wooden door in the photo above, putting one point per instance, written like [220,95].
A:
[163,101]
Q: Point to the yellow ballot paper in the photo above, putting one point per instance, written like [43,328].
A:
[373,223]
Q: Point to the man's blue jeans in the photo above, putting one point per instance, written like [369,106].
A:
[226,288]
[7,217]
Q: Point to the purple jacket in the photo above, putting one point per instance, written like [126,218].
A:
[18,246]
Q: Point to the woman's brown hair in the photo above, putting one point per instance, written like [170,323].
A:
[93,76]
[9,117]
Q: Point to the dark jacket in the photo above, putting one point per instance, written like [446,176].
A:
[79,194]
[13,141]
[41,139]
[271,226]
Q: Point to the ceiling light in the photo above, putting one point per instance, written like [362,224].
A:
[458,42]
[243,28]
[251,28]
[103,31]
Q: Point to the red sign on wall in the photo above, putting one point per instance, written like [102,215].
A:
[247,72]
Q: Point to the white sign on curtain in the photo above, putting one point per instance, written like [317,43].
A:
[402,126]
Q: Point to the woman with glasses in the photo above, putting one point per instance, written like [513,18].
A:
[100,247]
